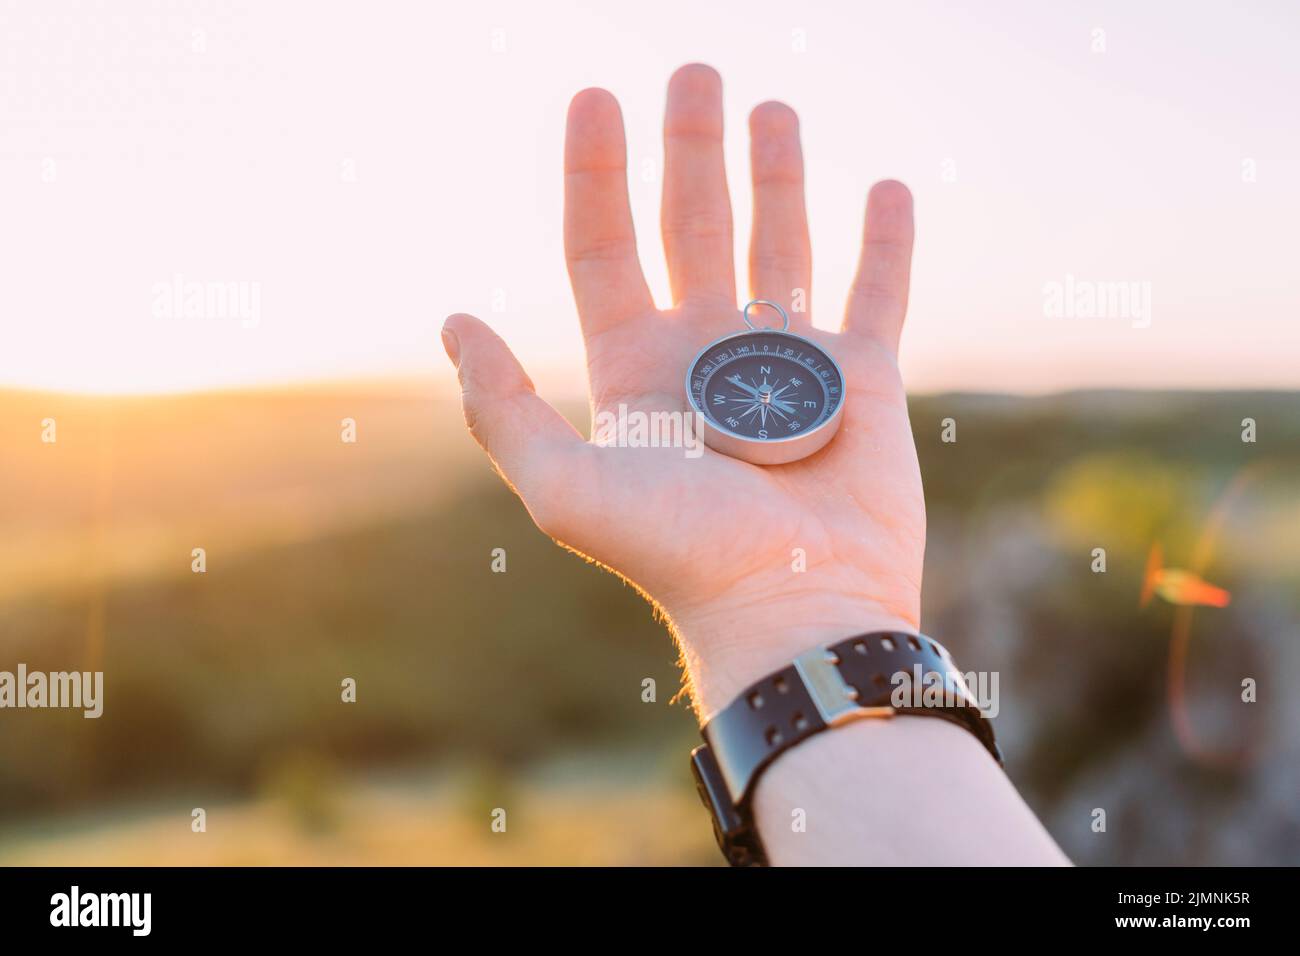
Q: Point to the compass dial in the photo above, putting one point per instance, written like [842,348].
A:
[767,387]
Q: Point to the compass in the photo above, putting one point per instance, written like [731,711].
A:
[766,395]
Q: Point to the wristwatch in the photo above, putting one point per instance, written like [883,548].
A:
[872,675]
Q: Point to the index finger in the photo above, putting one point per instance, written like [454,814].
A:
[599,240]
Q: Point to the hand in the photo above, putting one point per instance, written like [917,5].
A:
[712,540]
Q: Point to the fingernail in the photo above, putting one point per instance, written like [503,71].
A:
[452,345]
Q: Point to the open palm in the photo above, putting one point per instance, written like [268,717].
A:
[742,558]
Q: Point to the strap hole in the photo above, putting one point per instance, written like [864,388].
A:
[935,647]
[755,700]
[860,647]
[913,643]
[773,736]
[781,686]
[887,643]
[798,722]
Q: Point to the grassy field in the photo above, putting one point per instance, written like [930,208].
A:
[397,819]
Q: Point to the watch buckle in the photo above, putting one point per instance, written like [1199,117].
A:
[835,698]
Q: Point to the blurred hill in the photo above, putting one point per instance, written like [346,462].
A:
[371,560]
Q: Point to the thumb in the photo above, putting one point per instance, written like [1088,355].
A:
[525,437]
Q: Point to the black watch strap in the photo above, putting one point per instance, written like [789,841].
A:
[823,688]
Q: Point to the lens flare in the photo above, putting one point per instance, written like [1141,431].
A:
[1187,590]
[1177,586]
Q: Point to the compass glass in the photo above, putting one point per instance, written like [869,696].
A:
[765,386]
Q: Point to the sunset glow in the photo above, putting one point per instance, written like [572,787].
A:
[363,224]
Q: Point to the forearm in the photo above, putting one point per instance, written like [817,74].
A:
[906,790]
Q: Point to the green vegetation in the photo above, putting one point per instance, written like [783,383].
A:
[227,684]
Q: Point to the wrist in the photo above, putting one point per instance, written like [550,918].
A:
[730,643]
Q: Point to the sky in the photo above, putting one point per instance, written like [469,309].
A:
[201,195]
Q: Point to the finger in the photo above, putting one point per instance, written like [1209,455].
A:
[696,214]
[878,299]
[529,441]
[599,241]
[780,254]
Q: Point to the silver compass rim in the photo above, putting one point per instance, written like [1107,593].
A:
[737,441]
